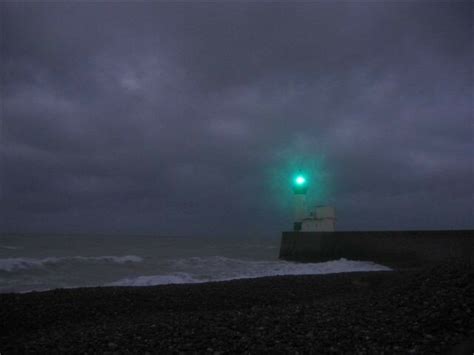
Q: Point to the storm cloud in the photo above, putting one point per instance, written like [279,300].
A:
[189,118]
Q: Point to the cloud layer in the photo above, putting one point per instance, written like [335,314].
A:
[190,118]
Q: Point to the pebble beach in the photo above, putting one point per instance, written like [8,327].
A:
[421,311]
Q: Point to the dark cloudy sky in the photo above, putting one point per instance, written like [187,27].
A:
[188,118]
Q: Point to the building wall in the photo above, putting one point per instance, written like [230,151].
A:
[392,248]
[309,225]
[325,212]
[326,225]
[318,225]
[299,207]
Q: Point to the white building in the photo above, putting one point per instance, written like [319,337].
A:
[323,219]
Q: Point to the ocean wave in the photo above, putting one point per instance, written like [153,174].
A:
[219,268]
[9,247]
[15,264]
[152,280]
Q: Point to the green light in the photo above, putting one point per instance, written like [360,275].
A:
[300,180]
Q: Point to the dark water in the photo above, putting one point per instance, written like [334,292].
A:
[44,262]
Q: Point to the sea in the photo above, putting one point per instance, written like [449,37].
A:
[43,262]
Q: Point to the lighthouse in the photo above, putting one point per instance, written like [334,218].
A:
[321,218]
[300,187]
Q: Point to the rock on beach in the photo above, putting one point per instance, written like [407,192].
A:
[423,311]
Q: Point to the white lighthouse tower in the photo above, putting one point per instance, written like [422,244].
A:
[300,186]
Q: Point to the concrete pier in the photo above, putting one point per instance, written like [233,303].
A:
[397,249]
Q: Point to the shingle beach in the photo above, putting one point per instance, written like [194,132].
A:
[423,311]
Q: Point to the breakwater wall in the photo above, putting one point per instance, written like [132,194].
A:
[396,249]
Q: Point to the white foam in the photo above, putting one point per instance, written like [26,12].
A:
[175,278]
[15,264]
[218,268]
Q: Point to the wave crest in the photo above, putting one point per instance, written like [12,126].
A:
[16,264]
[9,247]
[219,268]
